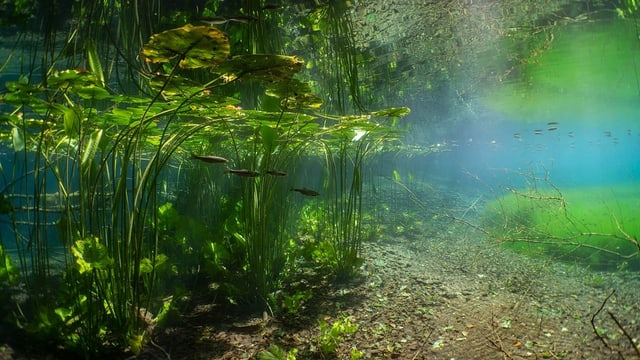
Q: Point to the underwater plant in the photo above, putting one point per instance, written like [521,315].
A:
[568,225]
[346,146]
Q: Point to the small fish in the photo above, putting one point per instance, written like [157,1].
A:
[243,172]
[210,159]
[553,128]
[607,133]
[537,131]
[276,173]
[244,19]
[552,123]
[306,192]
[517,136]
[217,20]
[570,134]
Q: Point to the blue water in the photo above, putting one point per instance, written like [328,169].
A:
[568,153]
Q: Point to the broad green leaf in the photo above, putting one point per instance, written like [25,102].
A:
[9,273]
[91,255]
[147,266]
[71,121]
[64,312]
[261,67]
[294,94]
[91,92]
[71,78]
[269,136]
[194,46]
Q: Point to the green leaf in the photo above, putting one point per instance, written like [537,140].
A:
[72,78]
[91,92]
[392,112]
[71,121]
[195,46]
[9,274]
[90,149]
[269,136]
[91,255]
[147,266]
[94,62]
[261,67]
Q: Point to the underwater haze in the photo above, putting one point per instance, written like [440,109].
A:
[254,179]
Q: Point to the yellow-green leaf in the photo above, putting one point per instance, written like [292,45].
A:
[194,46]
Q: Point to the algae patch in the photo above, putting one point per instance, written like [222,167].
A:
[594,226]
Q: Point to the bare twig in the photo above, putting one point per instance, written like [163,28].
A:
[497,343]
[624,331]
[593,319]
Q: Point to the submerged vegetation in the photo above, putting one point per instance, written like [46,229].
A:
[595,226]
[104,183]
[243,150]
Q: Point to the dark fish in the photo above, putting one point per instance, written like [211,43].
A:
[570,134]
[553,128]
[552,123]
[607,133]
[244,19]
[271,6]
[276,173]
[306,192]
[217,20]
[517,136]
[210,159]
[537,131]
[243,172]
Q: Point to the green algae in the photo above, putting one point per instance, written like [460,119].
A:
[585,70]
[594,226]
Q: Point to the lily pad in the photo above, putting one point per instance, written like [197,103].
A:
[91,92]
[196,46]
[294,94]
[72,77]
[261,67]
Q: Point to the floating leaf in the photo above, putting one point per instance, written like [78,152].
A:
[261,67]
[91,92]
[174,85]
[301,101]
[294,94]
[392,112]
[72,77]
[195,46]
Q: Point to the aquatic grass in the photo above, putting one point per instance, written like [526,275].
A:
[113,157]
[347,145]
